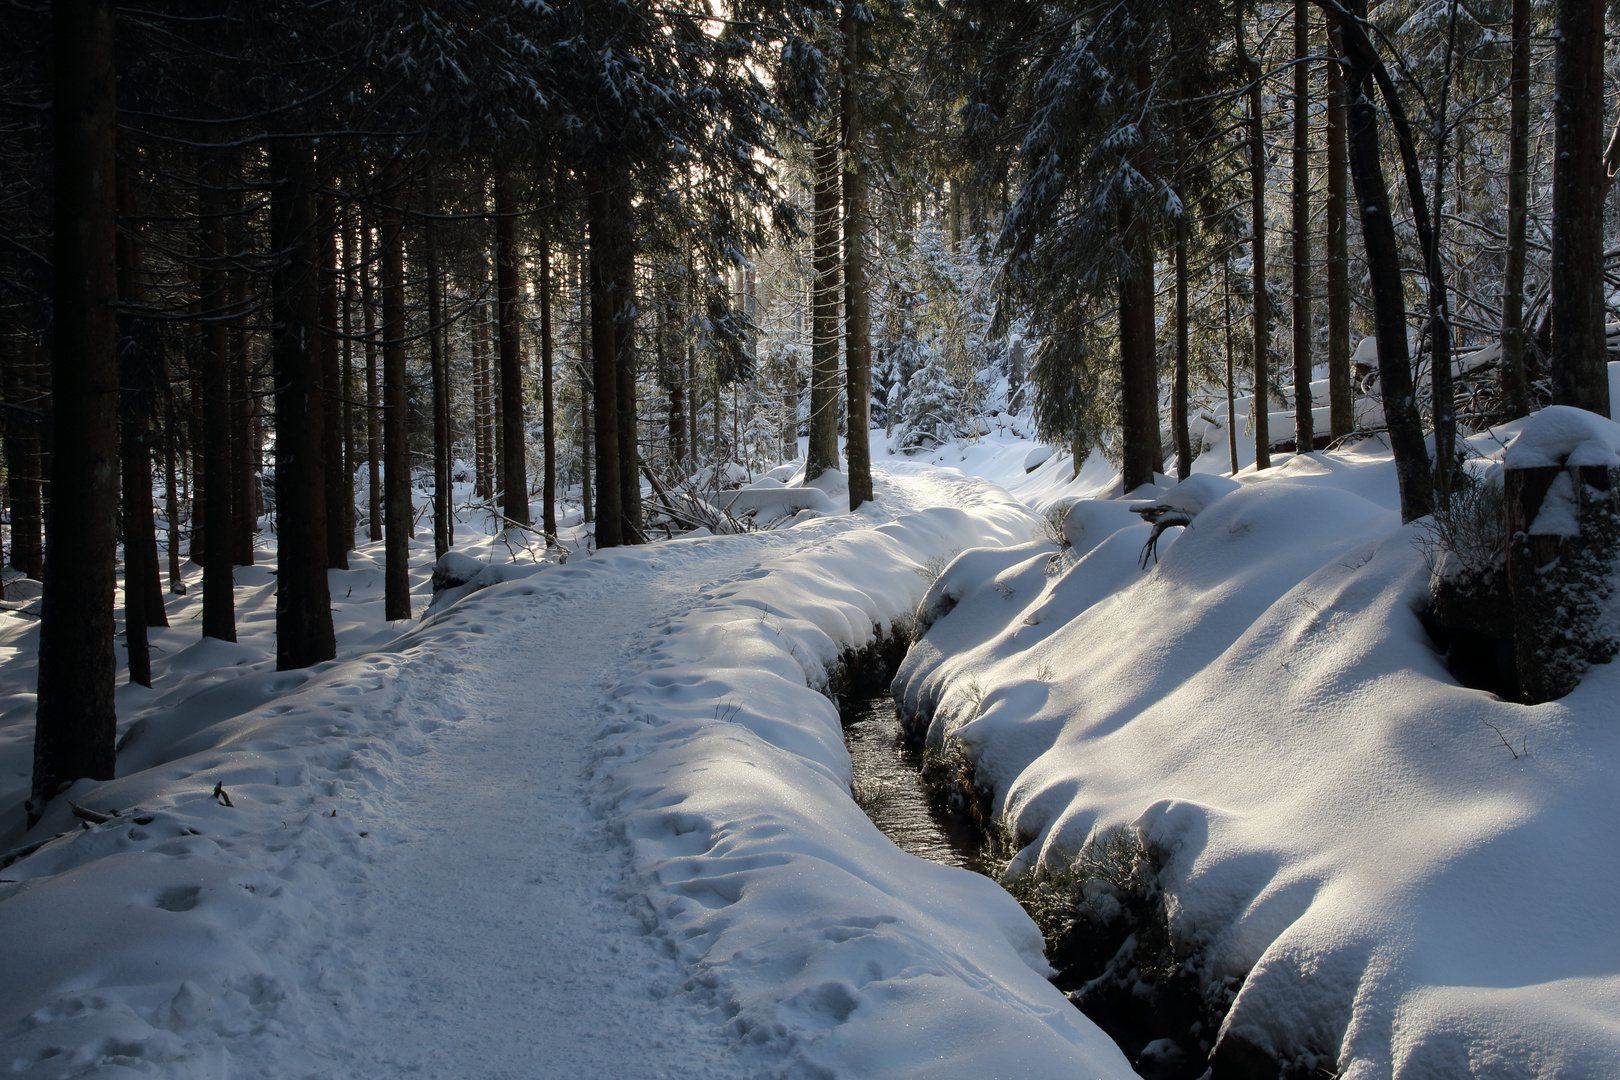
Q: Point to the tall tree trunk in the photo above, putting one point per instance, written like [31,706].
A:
[548,404]
[74,720]
[821,452]
[368,303]
[23,463]
[244,479]
[1260,401]
[1444,397]
[303,597]
[1178,405]
[337,544]
[624,365]
[1180,432]
[514,470]
[443,520]
[482,486]
[1231,374]
[1515,384]
[587,419]
[1579,345]
[172,497]
[609,490]
[135,457]
[675,369]
[1389,302]
[397,509]
[1139,366]
[219,596]
[857,294]
[1304,426]
[138,367]
[349,291]
[1341,403]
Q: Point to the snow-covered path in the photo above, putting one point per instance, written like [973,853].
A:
[499,933]
[590,822]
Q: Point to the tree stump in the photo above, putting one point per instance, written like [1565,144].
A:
[1563,539]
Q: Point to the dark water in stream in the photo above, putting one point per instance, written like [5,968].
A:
[889,787]
[1164,1033]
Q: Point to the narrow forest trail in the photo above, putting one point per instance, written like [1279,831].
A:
[496,933]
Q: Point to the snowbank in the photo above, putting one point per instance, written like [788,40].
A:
[827,943]
[1407,895]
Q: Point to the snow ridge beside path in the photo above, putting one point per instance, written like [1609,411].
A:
[835,954]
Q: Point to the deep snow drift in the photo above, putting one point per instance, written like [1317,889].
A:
[1407,895]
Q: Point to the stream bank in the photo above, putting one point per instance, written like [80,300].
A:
[1103,922]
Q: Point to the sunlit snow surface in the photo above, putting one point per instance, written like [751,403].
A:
[1410,896]
[593,821]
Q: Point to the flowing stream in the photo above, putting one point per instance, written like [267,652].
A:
[889,787]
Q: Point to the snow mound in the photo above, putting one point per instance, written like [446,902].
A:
[1560,435]
[825,942]
[1403,895]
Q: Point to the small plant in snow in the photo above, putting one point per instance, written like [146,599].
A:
[1466,543]
[1046,672]
[1114,877]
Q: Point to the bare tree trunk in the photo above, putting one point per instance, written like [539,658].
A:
[1304,426]
[1341,403]
[219,597]
[514,467]
[609,519]
[548,404]
[244,480]
[1178,403]
[1139,369]
[337,545]
[587,419]
[483,468]
[443,521]
[857,295]
[74,720]
[348,377]
[1515,385]
[368,303]
[821,453]
[1389,301]
[135,456]
[397,509]
[171,499]
[1231,374]
[1445,400]
[1260,401]
[303,598]
[23,463]
[624,364]
[1579,345]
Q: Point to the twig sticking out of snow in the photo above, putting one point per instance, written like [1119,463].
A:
[1522,752]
